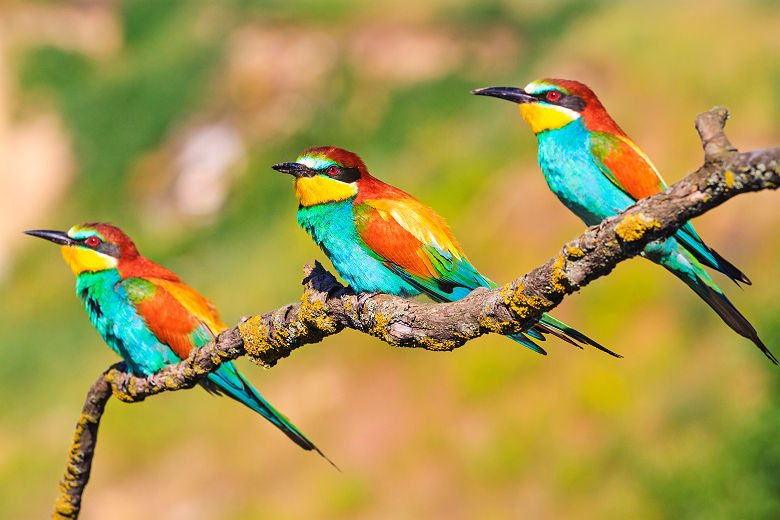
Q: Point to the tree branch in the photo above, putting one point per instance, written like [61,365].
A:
[68,503]
[327,307]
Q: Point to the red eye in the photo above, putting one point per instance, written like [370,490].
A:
[332,170]
[553,95]
[93,241]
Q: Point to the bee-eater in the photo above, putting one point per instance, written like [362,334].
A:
[597,171]
[149,316]
[381,239]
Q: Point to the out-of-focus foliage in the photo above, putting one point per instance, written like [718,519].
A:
[174,112]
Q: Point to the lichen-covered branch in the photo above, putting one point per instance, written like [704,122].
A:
[68,503]
[327,307]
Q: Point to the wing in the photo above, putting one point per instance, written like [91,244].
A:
[183,319]
[174,312]
[623,163]
[414,242]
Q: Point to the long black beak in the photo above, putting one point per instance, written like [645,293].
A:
[58,237]
[517,95]
[293,168]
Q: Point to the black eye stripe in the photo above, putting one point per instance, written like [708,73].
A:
[347,174]
[102,247]
[108,249]
[571,101]
[343,174]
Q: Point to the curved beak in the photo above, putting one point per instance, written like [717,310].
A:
[58,237]
[293,168]
[517,95]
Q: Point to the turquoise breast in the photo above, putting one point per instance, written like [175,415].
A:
[572,174]
[115,318]
[332,227]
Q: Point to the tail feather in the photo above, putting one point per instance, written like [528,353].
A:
[729,269]
[528,342]
[683,264]
[228,380]
[732,317]
[692,243]
[548,324]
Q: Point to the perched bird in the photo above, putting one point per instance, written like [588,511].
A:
[149,316]
[597,171]
[381,239]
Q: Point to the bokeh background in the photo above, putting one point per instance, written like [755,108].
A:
[163,118]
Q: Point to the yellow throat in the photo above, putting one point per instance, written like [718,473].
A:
[320,189]
[81,259]
[546,117]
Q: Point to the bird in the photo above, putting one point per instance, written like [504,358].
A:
[381,239]
[149,316]
[597,171]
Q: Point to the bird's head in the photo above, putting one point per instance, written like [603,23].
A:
[325,174]
[91,247]
[549,104]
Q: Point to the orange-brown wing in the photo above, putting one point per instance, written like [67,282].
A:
[626,165]
[407,234]
[175,313]
[415,243]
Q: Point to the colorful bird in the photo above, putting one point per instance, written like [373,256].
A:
[597,171]
[149,316]
[381,239]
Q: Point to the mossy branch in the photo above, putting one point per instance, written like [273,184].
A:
[327,307]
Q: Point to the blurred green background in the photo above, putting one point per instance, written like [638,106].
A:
[163,118]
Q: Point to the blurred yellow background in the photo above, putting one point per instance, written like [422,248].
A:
[164,117]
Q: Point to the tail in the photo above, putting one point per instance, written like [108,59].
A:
[549,325]
[228,380]
[684,266]
[708,256]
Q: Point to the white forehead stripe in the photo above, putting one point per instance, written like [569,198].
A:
[315,163]
[535,87]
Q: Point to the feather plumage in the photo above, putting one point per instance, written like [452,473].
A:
[150,317]
[383,239]
[597,171]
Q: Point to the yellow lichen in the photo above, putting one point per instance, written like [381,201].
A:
[729,179]
[489,324]
[379,329]
[558,275]
[519,303]
[313,311]
[633,227]
[499,327]
[435,344]
[63,506]
[574,252]
[254,333]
